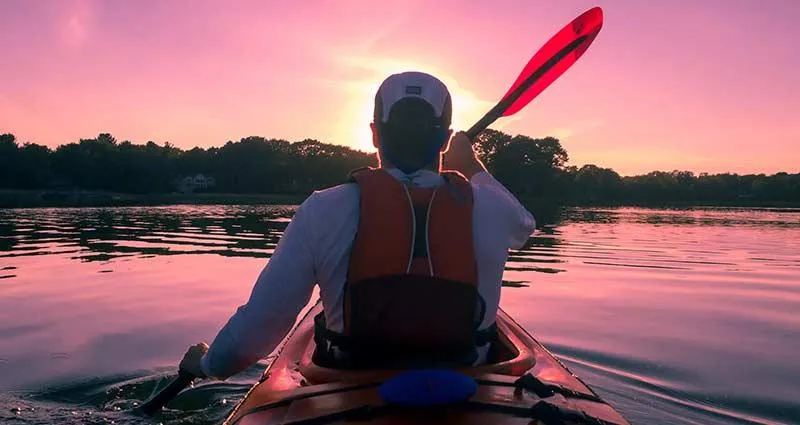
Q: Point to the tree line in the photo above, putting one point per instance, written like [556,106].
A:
[532,168]
[251,165]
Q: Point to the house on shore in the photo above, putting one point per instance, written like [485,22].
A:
[189,184]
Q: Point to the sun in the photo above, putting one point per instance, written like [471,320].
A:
[467,108]
[363,132]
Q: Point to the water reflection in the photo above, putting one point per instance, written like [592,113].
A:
[675,316]
[697,216]
[103,234]
[577,215]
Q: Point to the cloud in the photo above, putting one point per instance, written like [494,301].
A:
[359,36]
[501,124]
[560,133]
[563,133]
[76,22]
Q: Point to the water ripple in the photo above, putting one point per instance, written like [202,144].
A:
[679,316]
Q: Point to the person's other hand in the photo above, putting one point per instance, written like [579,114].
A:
[461,157]
[192,358]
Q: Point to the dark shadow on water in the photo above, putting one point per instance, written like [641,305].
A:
[581,215]
[685,216]
[116,398]
[515,283]
[669,394]
[536,269]
[7,239]
[102,234]
[105,234]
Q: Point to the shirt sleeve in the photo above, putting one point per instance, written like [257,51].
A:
[282,289]
[520,221]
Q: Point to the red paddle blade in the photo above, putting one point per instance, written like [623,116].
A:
[587,25]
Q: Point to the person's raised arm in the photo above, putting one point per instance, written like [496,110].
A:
[460,156]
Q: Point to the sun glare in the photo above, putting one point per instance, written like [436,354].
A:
[467,108]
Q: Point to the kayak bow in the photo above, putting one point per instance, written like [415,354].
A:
[522,383]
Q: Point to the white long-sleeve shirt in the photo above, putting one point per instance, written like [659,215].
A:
[315,250]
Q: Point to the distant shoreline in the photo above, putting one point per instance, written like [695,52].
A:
[10,198]
[689,204]
[89,199]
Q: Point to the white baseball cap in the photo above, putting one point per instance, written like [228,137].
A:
[413,84]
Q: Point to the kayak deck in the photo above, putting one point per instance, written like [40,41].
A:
[294,390]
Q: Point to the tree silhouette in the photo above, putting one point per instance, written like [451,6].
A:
[535,169]
[8,161]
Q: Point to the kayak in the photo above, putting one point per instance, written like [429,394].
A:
[521,383]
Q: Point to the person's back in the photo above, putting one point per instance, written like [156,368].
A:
[409,261]
[496,225]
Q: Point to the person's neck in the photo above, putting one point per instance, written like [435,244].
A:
[434,166]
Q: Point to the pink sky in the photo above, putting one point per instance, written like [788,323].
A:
[706,86]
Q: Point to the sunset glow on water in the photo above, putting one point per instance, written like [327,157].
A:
[673,316]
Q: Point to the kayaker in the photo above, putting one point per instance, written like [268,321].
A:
[354,241]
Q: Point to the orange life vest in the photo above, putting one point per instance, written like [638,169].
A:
[411,297]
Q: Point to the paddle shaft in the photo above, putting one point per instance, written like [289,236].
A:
[177,385]
[498,110]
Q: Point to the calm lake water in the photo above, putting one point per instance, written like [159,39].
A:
[673,316]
